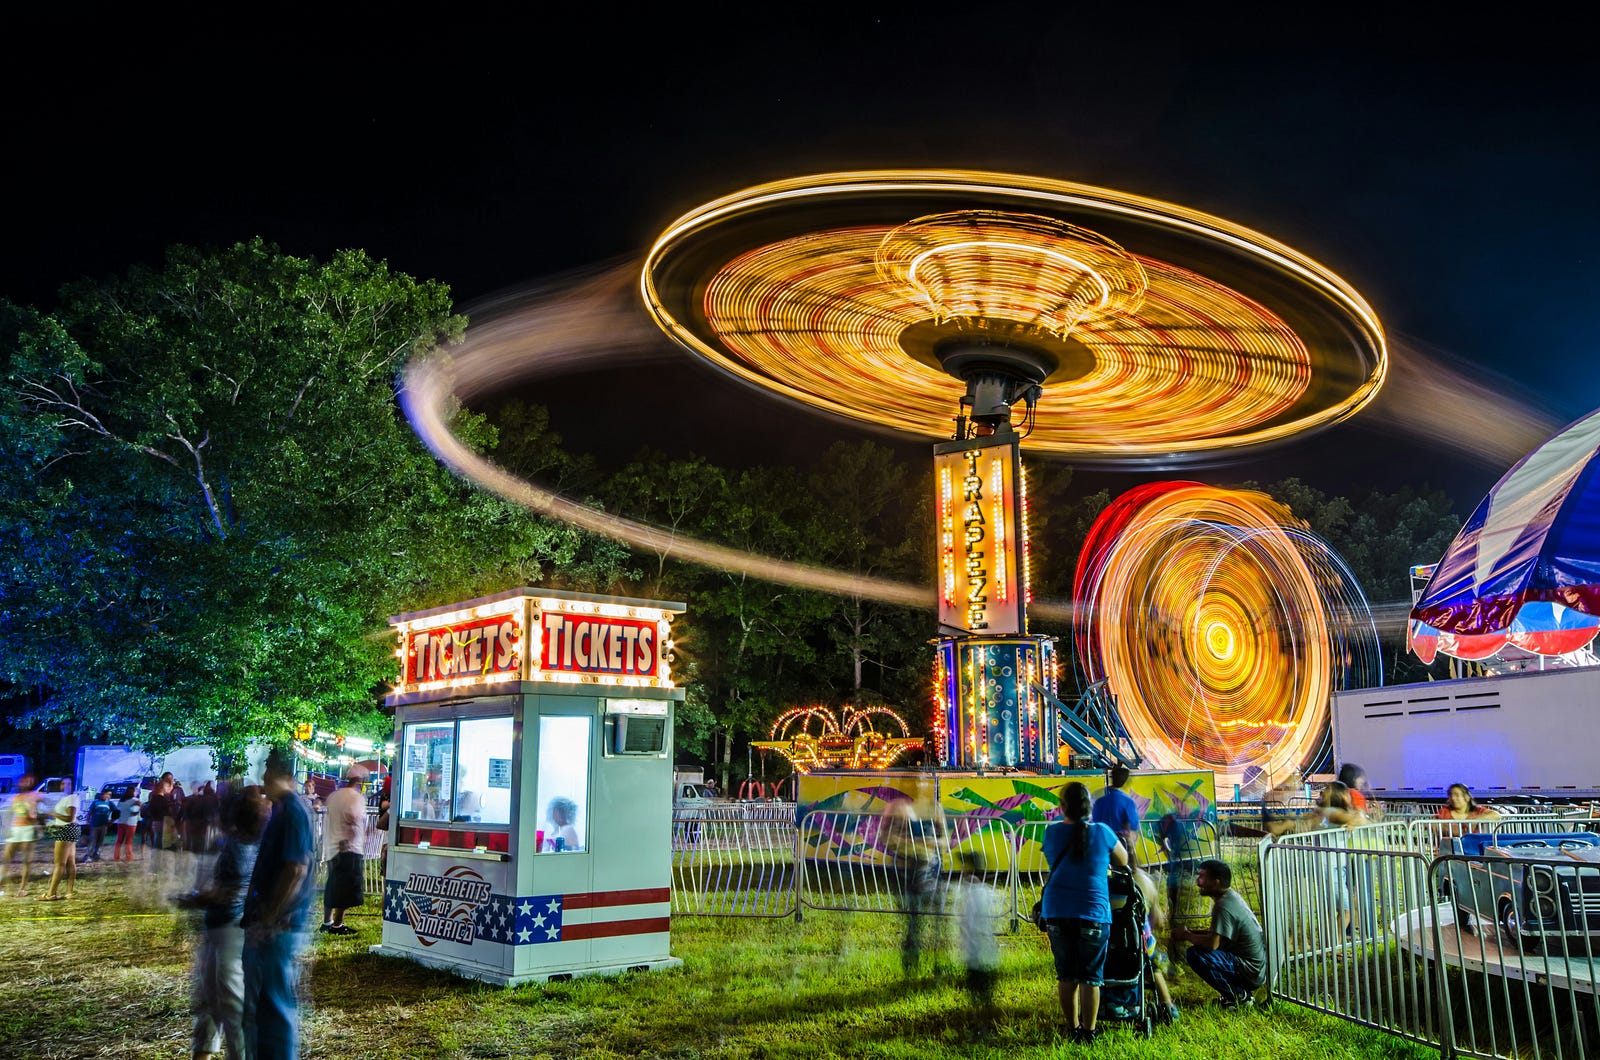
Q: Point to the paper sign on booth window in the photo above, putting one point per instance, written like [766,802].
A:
[499,772]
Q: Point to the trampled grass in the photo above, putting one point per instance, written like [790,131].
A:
[107,975]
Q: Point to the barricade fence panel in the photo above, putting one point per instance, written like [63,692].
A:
[1337,920]
[1183,845]
[1491,953]
[734,861]
[1433,836]
[886,863]
[370,843]
[1520,937]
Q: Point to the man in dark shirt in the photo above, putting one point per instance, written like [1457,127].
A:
[1231,957]
[275,913]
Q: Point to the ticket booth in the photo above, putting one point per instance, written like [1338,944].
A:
[531,810]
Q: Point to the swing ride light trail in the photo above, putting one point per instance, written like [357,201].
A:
[1161,335]
[594,322]
[1154,362]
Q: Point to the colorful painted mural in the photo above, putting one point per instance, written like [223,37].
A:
[840,814]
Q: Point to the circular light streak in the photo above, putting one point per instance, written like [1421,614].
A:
[1177,335]
[1223,626]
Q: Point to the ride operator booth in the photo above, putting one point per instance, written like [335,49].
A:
[531,824]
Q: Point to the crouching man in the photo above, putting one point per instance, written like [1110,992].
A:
[1231,957]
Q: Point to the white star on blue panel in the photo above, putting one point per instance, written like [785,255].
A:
[538,919]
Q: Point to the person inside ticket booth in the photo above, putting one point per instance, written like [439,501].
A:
[563,834]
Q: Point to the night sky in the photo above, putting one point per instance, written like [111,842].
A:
[1448,171]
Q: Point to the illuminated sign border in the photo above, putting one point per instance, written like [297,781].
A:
[526,609]
[981,505]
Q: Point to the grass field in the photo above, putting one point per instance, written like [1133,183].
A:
[105,975]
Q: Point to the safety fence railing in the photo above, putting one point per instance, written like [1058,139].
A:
[1332,917]
[1482,950]
[1521,939]
[370,842]
[884,863]
[739,861]
[734,861]
[1432,836]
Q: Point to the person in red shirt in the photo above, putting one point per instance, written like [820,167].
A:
[1354,777]
[1459,805]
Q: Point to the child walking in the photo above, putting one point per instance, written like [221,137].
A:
[1158,958]
[980,953]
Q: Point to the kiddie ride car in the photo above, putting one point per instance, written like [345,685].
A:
[1542,888]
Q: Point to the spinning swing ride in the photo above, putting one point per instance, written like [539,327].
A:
[1103,328]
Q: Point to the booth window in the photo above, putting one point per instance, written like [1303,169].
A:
[483,771]
[427,764]
[563,784]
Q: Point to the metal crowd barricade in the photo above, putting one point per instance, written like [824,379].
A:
[1172,853]
[372,841]
[1492,956]
[1429,836]
[737,860]
[874,863]
[1336,917]
[1521,941]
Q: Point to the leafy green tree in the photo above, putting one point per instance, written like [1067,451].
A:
[1381,536]
[874,520]
[212,501]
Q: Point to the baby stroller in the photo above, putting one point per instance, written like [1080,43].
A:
[1125,995]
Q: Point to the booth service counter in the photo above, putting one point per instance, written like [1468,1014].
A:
[531,817]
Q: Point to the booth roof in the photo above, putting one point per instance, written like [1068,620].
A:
[535,593]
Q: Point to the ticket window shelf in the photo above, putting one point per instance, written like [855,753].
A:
[445,839]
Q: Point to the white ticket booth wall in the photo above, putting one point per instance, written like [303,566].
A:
[531,824]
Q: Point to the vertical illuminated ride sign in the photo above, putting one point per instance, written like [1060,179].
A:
[982,538]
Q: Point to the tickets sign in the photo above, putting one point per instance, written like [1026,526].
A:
[598,644]
[534,635]
[484,648]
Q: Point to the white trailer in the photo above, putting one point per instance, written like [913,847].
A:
[102,764]
[1535,733]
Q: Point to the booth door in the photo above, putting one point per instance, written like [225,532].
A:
[554,908]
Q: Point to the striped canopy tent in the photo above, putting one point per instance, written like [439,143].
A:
[1525,569]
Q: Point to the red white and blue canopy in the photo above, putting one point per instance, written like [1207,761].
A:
[1525,569]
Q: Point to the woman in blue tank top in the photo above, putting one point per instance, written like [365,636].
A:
[1077,906]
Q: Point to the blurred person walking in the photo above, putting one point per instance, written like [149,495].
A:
[914,839]
[99,821]
[22,820]
[274,918]
[217,998]
[979,906]
[128,814]
[1077,906]
[199,814]
[344,828]
[157,814]
[1339,811]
